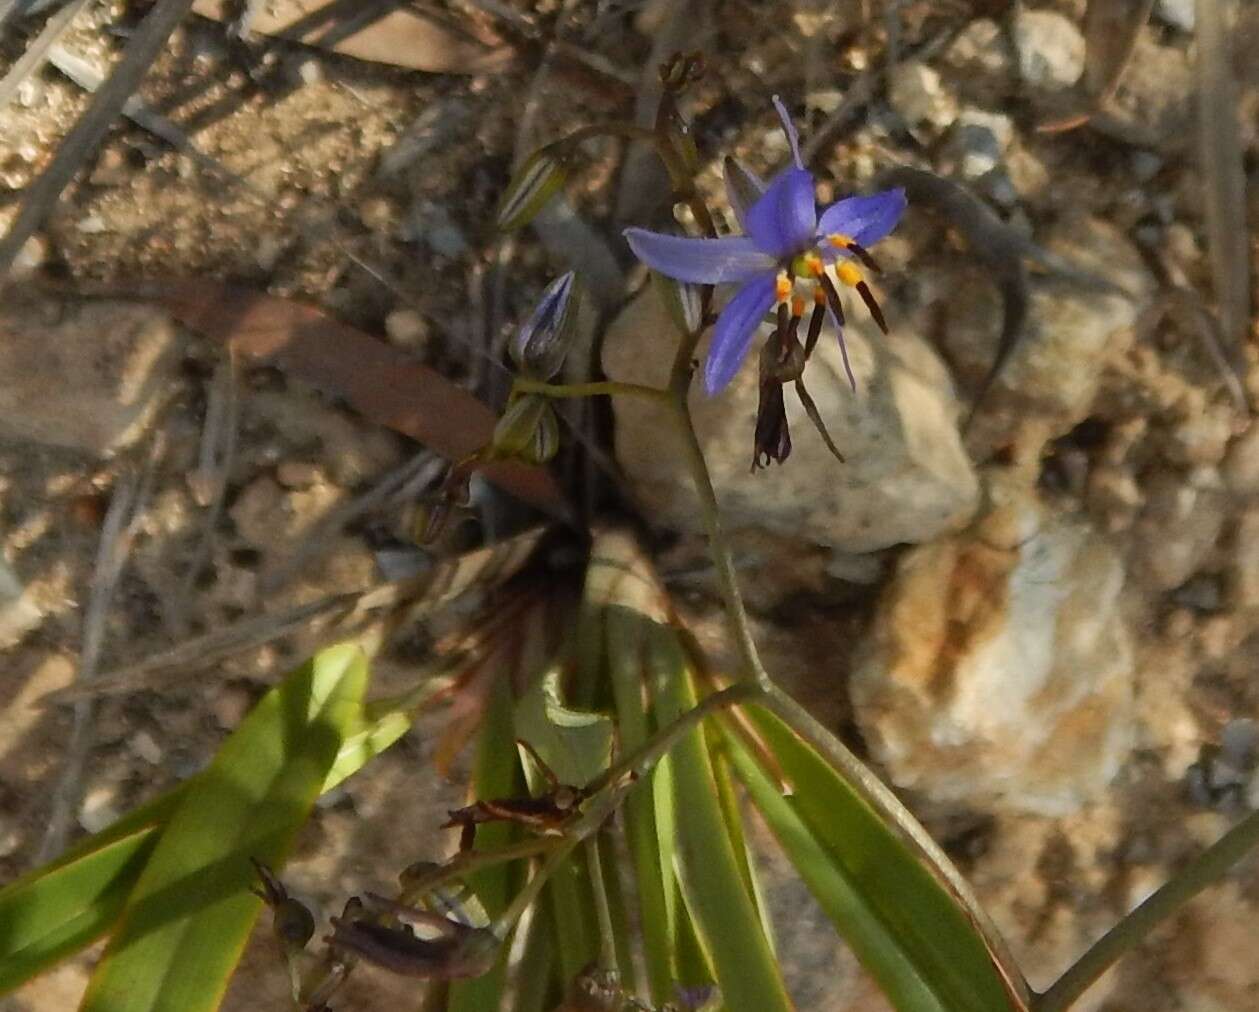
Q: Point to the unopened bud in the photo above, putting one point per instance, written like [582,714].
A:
[528,431]
[682,301]
[532,186]
[292,923]
[540,345]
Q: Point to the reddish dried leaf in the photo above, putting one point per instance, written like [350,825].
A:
[401,37]
[378,381]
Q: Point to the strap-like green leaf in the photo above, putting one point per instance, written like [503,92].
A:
[57,909]
[575,744]
[723,911]
[187,919]
[907,929]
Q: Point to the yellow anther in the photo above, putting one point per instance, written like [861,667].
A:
[848,274]
[839,240]
[797,306]
[782,287]
[813,264]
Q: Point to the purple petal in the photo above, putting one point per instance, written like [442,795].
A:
[743,188]
[789,128]
[865,220]
[699,261]
[783,222]
[843,347]
[736,326]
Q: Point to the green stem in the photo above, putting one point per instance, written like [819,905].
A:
[507,920]
[1205,869]
[472,860]
[641,761]
[711,515]
[607,932]
[604,388]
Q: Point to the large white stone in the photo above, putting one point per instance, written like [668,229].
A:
[907,478]
[998,671]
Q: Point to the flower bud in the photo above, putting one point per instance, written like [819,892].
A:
[682,301]
[532,185]
[539,347]
[528,431]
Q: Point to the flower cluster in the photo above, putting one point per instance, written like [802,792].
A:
[789,257]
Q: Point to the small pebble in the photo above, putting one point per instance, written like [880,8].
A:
[146,747]
[310,71]
[1177,13]
[407,328]
[230,704]
[99,808]
[298,474]
[1241,463]
[916,94]
[1239,741]
[31,257]
[1051,49]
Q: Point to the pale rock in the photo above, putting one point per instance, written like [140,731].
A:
[30,258]
[407,328]
[1203,434]
[1241,463]
[907,478]
[20,610]
[1071,333]
[87,376]
[915,92]
[977,143]
[1112,492]
[979,47]
[1177,13]
[998,671]
[1244,560]
[99,808]
[1178,529]
[1154,108]
[269,516]
[1050,48]
[143,744]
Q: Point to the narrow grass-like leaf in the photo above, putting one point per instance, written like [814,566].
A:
[725,915]
[497,775]
[886,883]
[575,744]
[653,869]
[729,802]
[576,924]
[189,915]
[59,908]
[535,974]
[898,977]
[46,919]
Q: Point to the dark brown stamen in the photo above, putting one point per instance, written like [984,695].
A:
[815,329]
[867,297]
[864,256]
[832,298]
[815,417]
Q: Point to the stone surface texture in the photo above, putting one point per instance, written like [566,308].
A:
[907,478]
[998,669]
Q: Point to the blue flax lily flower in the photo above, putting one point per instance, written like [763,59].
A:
[786,246]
